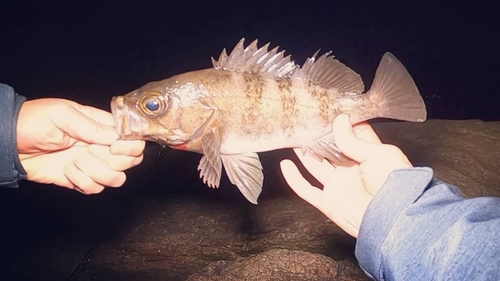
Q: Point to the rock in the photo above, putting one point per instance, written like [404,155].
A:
[463,153]
[274,265]
[178,237]
[292,224]
[188,234]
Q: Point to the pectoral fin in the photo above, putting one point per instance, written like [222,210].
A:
[325,148]
[210,166]
[245,171]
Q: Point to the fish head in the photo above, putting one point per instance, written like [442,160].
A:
[168,112]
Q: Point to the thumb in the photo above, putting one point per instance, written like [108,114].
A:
[346,140]
[81,127]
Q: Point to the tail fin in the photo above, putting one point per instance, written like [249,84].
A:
[394,93]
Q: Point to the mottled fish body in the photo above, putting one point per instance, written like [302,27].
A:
[256,100]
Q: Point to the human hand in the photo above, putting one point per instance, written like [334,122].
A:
[64,143]
[347,191]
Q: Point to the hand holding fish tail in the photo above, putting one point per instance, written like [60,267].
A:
[347,191]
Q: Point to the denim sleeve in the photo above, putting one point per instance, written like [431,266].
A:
[11,170]
[420,228]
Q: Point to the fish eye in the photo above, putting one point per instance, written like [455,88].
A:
[153,103]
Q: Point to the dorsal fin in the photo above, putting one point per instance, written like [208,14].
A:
[325,71]
[331,73]
[252,59]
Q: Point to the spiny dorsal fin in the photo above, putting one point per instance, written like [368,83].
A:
[331,73]
[257,60]
[324,71]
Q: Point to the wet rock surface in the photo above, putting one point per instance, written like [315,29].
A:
[166,225]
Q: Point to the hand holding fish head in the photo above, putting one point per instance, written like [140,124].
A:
[162,113]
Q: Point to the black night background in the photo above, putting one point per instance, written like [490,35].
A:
[90,51]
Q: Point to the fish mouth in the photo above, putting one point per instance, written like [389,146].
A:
[129,125]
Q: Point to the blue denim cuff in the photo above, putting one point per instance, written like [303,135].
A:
[11,170]
[402,188]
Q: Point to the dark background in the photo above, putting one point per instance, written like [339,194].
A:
[90,51]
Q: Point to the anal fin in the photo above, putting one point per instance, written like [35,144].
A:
[245,171]
[325,148]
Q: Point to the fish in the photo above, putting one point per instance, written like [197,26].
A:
[256,99]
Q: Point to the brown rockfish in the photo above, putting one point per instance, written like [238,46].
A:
[256,100]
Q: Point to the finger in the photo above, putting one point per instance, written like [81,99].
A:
[99,115]
[81,181]
[96,114]
[128,147]
[300,185]
[115,162]
[38,170]
[82,127]
[348,143]
[365,132]
[319,170]
[98,171]
[121,163]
